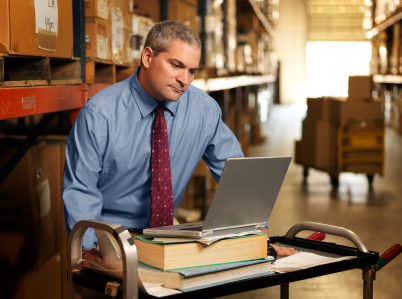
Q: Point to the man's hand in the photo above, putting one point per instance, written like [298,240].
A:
[92,254]
[284,251]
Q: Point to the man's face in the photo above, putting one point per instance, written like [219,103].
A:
[170,73]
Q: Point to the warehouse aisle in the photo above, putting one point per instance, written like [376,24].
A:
[376,215]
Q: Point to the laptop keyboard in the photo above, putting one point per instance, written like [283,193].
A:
[195,228]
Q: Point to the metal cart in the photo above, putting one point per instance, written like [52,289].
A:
[360,149]
[365,259]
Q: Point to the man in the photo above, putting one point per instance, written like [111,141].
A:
[134,145]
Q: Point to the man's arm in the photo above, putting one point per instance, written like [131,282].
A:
[84,155]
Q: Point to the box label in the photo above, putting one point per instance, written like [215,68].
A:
[43,190]
[117,31]
[101,46]
[46,15]
[102,9]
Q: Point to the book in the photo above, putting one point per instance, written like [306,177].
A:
[304,260]
[199,277]
[189,253]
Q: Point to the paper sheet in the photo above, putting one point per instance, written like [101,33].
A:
[206,240]
[46,15]
[304,260]
[113,266]
[115,271]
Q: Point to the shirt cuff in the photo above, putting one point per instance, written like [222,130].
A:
[266,224]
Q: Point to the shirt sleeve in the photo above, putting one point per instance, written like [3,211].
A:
[222,145]
[84,152]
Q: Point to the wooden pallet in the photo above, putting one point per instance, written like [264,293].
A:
[99,71]
[24,71]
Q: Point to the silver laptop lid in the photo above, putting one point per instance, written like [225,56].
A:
[247,191]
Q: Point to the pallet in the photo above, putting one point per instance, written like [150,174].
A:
[100,71]
[25,71]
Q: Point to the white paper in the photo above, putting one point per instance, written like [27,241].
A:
[117,31]
[46,15]
[112,266]
[101,46]
[304,260]
[115,271]
[102,8]
[206,240]
[109,248]
[43,190]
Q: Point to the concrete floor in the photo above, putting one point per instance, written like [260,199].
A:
[375,215]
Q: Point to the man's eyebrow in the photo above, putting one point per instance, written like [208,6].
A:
[182,64]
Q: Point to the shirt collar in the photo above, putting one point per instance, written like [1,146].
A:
[146,104]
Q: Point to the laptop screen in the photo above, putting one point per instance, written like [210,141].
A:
[247,191]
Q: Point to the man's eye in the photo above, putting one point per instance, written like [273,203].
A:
[175,65]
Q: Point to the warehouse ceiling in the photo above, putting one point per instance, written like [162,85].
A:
[336,20]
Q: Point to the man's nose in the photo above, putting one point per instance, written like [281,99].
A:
[183,77]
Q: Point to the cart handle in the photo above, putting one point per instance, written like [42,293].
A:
[329,229]
[388,256]
[127,247]
[317,236]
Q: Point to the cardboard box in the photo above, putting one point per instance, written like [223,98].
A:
[19,35]
[98,9]
[98,38]
[298,152]
[58,141]
[64,275]
[342,109]
[127,15]
[117,36]
[318,147]
[360,88]
[28,207]
[318,108]
[44,283]
[148,8]
[248,21]
[184,11]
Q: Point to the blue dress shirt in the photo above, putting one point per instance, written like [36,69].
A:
[107,174]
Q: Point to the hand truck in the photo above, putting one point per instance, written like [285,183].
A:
[360,149]
[368,261]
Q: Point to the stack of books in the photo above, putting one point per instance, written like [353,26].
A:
[188,264]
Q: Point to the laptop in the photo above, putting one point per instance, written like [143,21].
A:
[243,200]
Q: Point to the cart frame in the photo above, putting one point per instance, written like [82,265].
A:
[365,260]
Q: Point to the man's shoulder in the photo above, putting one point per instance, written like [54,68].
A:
[200,94]
[106,99]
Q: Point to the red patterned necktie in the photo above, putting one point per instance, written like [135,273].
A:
[161,184]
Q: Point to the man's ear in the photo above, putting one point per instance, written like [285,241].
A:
[147,57]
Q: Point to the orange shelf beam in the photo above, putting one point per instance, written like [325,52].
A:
[26,101]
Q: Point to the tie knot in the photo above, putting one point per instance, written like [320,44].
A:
[159,110]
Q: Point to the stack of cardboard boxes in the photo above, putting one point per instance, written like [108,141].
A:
[36,28]
[108,27]
[318,147]
[32,230]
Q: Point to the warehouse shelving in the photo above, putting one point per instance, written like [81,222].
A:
[28,99]
[390,79]
[384,25]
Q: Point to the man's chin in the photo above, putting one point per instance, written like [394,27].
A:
[173,97]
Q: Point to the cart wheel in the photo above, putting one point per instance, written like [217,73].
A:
[370,178]
[335,181]
[305,173]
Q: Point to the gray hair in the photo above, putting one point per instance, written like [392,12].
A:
[163,33]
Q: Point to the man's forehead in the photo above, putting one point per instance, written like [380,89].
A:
[176,45]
